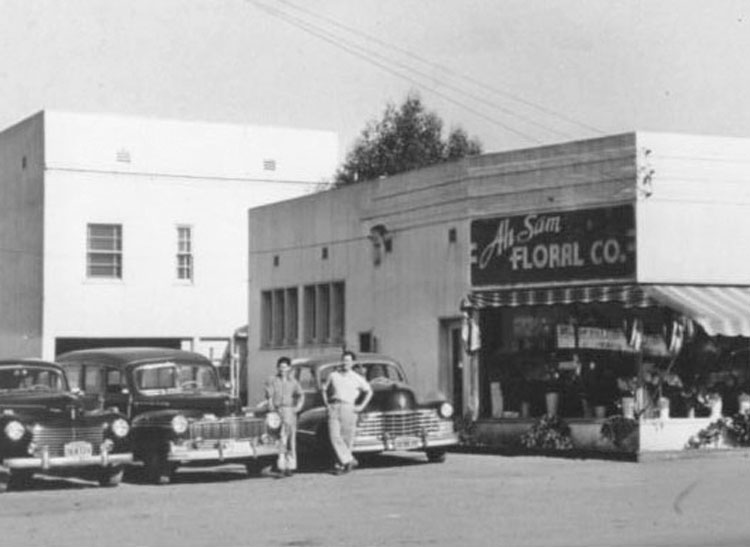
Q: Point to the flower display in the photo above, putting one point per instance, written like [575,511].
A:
[549,432]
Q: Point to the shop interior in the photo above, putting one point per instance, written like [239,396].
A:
[596,356]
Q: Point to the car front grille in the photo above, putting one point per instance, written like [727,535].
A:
[55,438]
[239,427]
[402,423]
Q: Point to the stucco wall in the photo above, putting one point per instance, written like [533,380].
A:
[400,301]
[21,236]
[177,173]
[691,225]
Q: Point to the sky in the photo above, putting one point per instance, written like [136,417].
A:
[514,73]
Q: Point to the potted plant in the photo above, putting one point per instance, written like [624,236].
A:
[627,389]
[711,435]
[726,431]
[743,400]
[714,403]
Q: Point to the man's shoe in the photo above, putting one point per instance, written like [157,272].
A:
[347,468]
[287,472]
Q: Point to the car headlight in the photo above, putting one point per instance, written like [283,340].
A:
[273,420]
[120,427]
[179,424]
[14,430]
[446,410]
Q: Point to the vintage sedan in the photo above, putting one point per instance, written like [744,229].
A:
[393,420]
[45,429]
[180,413]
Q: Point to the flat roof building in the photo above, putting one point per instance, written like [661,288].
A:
[120,230]
[550,254]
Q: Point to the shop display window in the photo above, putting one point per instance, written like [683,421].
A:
[588,357]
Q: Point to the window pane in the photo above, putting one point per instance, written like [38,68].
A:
[92,382]
[184,253]
[324,313]
[278,317]
[337,312]
[104,250]
[291,316]
[310,314]
[266,318]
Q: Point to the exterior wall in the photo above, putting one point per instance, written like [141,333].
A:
[575,175]
[21,237]
[424,278]
[177,173]
[693,217]
[399,301]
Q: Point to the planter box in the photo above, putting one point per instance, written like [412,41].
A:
[653,435]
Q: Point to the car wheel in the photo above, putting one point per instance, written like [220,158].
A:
[19,480]
[157,469]
[111,476]
[436,456]
[14,480]
[257,467]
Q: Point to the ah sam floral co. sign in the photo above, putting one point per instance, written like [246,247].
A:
[561,246]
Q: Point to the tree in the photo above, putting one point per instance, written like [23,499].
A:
[407,137]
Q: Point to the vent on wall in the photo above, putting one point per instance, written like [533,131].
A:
[269,165]
[122,156]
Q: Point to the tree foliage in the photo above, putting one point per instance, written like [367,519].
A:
[407,137]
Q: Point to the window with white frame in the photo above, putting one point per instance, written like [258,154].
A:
[104,251]
[185,253]
[324,313]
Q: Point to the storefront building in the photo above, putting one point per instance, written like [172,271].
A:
[605,282]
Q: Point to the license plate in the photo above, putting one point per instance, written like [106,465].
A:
[406,443]
[78,449]
[237,447]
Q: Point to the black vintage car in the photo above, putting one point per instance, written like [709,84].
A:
[180,413]
[44,428]
[393,420]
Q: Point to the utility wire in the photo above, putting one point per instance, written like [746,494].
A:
[456,89]
[366,55]
[361,34]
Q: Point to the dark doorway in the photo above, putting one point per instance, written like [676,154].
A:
[64,345]
[452,363]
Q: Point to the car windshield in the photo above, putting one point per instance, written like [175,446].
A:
[175,377]
[372,371]
[25,377]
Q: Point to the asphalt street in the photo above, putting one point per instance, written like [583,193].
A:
[471,499]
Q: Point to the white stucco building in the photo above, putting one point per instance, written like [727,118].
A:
[134,231]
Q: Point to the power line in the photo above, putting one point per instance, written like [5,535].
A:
[479,83]
[365,54]
[456,89]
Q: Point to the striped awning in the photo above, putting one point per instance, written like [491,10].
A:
[723,310]
[719,310]
[627,295]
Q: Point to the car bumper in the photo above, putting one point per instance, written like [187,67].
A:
[392,444]
[220,451]
[56,462]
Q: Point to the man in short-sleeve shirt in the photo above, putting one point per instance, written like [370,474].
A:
[285,396]
[340,394]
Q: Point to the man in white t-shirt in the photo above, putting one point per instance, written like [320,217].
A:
[340,394]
